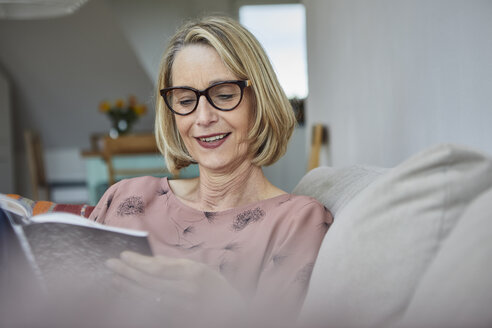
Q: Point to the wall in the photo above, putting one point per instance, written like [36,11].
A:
[60,69]
[6,149]
[390,78]
[148,24]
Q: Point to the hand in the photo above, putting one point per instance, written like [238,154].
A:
[175,283]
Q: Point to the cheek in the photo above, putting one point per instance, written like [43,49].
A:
[182,125]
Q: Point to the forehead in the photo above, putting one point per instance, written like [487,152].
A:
[199,66]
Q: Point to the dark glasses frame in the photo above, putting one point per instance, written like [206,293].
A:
[241,83]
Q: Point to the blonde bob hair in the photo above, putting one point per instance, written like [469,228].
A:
[274,118]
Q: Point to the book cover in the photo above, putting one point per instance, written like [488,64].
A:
[66,251]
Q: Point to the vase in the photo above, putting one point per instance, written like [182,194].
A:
[120,127]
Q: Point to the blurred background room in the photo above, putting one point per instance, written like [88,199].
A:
[384,79]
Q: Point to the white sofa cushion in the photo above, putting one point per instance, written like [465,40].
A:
[382,241]
[456,291]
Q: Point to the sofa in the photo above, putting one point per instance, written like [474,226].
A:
[410,246]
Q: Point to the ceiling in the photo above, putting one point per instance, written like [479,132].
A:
[35,9]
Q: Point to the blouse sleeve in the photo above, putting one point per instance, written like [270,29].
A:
[101,210]
[283,284]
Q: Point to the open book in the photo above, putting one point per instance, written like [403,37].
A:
[60,250]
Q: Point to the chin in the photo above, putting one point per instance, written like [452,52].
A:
[214,166]
[218,164]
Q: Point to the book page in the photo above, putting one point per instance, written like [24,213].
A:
[15,206]
[68,218]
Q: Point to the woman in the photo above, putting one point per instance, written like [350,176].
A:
[220,105]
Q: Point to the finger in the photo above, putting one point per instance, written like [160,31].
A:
[153,283]
[131,273]
[162,266]
[129,289]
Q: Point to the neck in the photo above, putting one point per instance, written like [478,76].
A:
[218,191]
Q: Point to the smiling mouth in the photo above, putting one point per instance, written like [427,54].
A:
[214,138]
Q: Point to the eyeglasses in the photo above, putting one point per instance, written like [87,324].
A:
[225,96]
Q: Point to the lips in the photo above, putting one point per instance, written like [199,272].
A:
[212,140]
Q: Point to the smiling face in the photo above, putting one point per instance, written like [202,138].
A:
[217,140]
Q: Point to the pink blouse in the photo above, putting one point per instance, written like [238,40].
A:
[266,250]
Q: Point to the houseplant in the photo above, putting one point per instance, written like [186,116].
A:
[122,114]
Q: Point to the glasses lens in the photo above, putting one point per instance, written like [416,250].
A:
[225,96]
[182,101]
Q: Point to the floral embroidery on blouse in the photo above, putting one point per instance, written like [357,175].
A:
[243,219]
[133,205]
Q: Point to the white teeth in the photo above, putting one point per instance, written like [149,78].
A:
[214,138]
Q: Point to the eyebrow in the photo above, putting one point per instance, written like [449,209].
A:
[218,80]
[209,84]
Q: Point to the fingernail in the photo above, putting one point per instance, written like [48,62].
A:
[112,263]
[126,255]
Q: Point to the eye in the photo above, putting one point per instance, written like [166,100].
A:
[186,102]
[225,96]
[226,92]
[182,97]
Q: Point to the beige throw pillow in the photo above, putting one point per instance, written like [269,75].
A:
[383,240]
[335,187]
[456,291]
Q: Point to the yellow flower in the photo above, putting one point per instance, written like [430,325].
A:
[122,110]
[104,106]
[120,103]
[140,110]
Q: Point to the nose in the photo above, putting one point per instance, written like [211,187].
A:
[206,114]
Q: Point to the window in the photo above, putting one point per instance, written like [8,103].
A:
[281,29]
